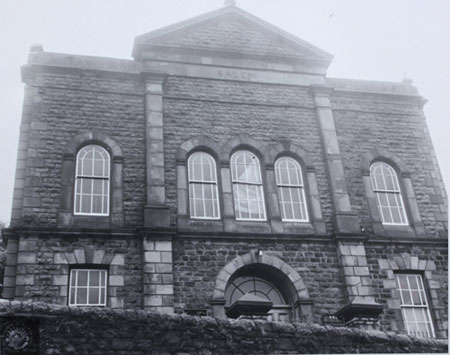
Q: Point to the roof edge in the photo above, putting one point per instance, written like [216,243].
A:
[228,9]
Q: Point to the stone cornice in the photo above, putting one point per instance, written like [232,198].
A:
[366,238]
[376,239]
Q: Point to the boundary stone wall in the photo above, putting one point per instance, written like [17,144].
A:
[64,330]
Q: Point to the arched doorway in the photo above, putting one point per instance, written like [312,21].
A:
[267,278]
[261,280]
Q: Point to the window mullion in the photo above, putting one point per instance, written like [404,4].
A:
[203,199]
[76,286]
[247,187]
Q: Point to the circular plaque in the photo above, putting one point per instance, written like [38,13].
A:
[17,337]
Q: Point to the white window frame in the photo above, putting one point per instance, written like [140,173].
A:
[257,184]
[293,188]
[101,288]
[81,177]
[383,190]
[204,183]
[422,307]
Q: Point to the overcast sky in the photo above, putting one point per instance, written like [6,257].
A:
[370,39]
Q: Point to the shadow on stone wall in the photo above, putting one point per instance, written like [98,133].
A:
[64,330]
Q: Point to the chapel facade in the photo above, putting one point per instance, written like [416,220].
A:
[222,173]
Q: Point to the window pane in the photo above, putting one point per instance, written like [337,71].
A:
[82,295]
[86,186]
[403,282]
[406,298]
[102,296]
[97,204]
[209,208]
[98,187]
[77,203]
[416,298]
[82,278]
[386,215]
[98,168]
[288,214]
[283,175]
[102,277]
[72,296]
[93,295]
[254,211]
[87,167]
[208,191]
[198,208]
[94,278]
[396,217]
[413,282]
[409,315]
[420,315]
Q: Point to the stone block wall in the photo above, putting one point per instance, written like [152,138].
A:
[430,262]
[62,104]
[224,109]
[44,261]
[397,125]
[198,261]
[64,330]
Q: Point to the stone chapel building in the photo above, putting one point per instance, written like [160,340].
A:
[220,172]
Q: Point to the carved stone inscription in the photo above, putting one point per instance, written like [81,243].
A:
[236,74]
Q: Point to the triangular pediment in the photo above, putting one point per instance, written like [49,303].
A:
[232,30]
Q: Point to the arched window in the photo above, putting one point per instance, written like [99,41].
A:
[389,197]
[247,186]
[203,196]
[291,192]
[92,181]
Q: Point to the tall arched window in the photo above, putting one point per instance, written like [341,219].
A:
[247,186]
[389,196]
[290,190]
[203,196]
[92,181]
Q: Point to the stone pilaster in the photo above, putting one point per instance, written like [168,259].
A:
[361,310]
[158,275]
[346,221]
[156,211]
[9,279]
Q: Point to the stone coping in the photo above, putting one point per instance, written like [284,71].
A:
[299,333]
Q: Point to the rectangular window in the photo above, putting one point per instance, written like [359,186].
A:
[414,305]
[87,287]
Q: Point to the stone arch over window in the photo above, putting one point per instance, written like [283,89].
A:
[66,215]
[243,141]
[268,268]
[415,226]
[95,257]
[412,264]
[288,149]
[197,144]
